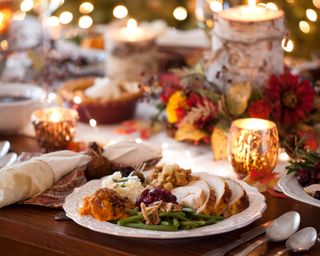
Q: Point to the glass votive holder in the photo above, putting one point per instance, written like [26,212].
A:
[253,146]
[55,127]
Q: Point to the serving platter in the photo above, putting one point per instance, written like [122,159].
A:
[290,187]
[252,213]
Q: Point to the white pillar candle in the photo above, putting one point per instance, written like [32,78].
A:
[246,46]
[131,51]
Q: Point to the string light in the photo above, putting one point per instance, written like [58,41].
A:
[53,21]
[19,15]
[311,15]
[180,13]
[272,6]
[290,1]
[85,22]
[65,17]
[77,99]
[316,3]
[86,8]
[26,5]
[216,6]
[120,12]
[93,123]
[304,26]
[289,46]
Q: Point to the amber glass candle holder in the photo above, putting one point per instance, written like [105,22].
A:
[5,15]
[253,145]
[54,127]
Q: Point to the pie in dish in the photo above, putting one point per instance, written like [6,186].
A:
[105,100]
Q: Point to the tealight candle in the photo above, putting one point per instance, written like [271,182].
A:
[54,127]
[246,46]
[131,52]
[253,146]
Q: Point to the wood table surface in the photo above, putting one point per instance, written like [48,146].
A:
[31,230]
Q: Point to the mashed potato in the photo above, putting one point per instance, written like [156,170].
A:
[130,186]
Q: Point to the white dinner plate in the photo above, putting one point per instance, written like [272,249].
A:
[293,189]
[74,201]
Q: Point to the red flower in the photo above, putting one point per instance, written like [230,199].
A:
[194,100]
[259,109]
[290,98]
[170,83]
[181,113]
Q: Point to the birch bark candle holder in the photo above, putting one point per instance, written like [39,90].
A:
[246,46]
[132,51]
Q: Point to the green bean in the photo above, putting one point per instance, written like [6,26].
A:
[178,215]
[210,222]
[152,227]
[130,219]
[193,223]
[219,218]
[131,211]
[188,210]
[166,223]
[206,216]
[175,222]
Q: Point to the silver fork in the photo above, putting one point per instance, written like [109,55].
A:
[6,158]
[140,166]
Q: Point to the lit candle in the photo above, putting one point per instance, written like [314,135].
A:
[251,12]
[54,127]
[5,15]
[132,33]
[131,51]
[253,146]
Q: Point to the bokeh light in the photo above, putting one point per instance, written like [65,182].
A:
[289,47]
[120,12]
[180,13]
[86,8]
[304,26]
[85,22]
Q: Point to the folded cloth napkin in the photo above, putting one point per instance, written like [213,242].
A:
[27,179]
[130,153]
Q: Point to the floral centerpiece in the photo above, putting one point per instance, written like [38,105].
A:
[197,111]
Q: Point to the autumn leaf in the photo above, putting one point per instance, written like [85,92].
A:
[189,132]
[237,98]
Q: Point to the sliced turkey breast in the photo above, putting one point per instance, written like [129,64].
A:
[239,199]
[222,192]
[195,195]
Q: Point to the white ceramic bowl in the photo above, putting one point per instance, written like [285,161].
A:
[16,115]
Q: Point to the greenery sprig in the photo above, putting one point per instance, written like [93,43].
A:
[307,160]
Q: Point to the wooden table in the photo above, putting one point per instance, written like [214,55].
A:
[30,230]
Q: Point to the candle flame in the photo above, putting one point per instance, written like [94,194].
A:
[132,23]
[252,3]
[55,117]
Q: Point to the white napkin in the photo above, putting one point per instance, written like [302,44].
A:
[27,179]
[130,153]
[63,162]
